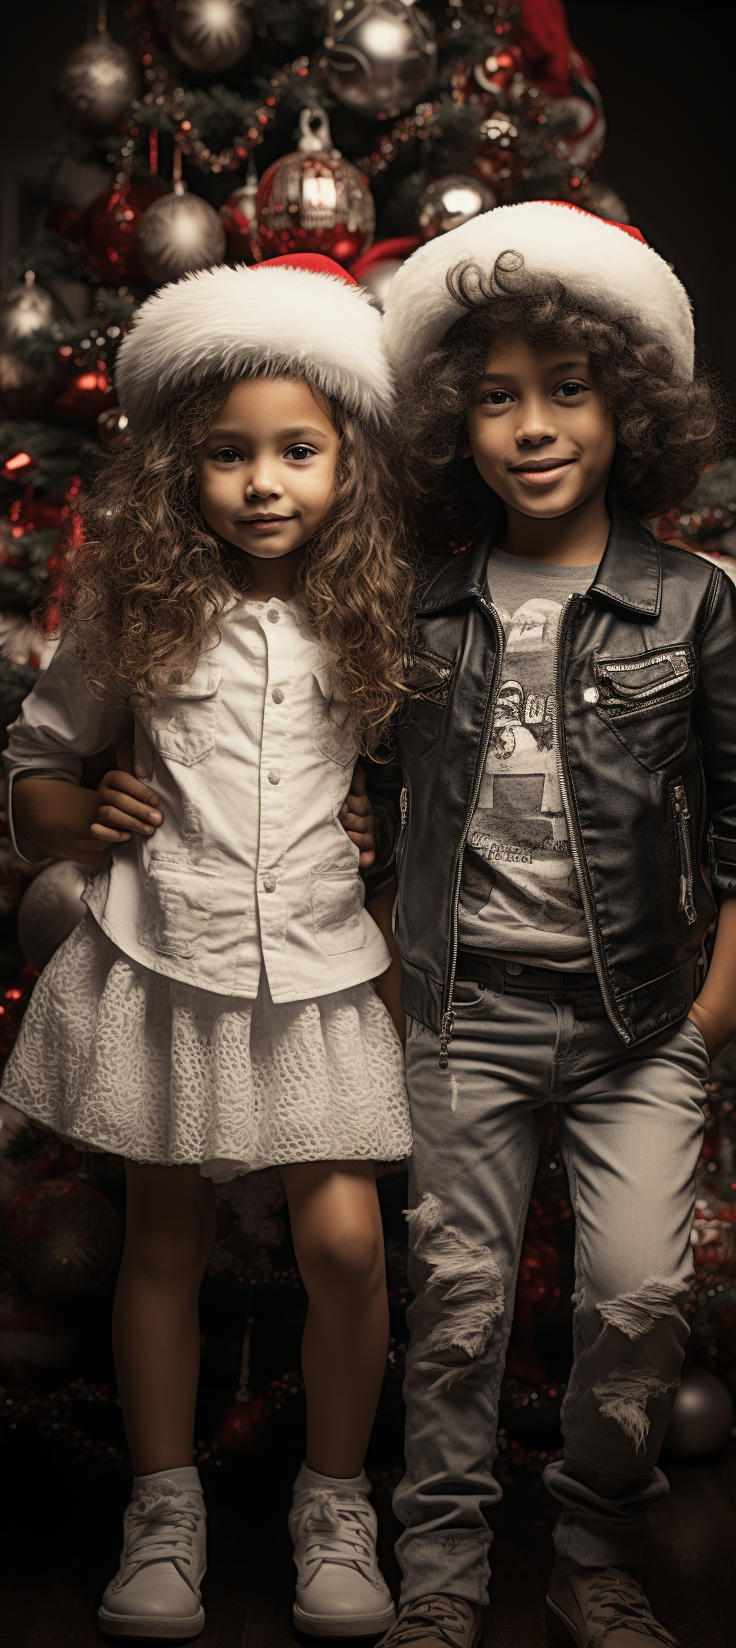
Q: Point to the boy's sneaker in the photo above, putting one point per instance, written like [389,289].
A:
[155,1592]
[340,1591]
[601,1608]
[436,1622]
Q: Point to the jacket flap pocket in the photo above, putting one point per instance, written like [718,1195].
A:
[647,678]
[429,676]
[203,683]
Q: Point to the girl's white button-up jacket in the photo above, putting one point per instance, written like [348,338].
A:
[251,760]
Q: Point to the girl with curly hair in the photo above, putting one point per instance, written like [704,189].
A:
[568,761]
[237,611]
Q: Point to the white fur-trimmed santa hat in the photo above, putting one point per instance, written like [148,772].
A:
[299,314]
[608,266]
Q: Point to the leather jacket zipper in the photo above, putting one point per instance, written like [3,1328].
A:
[681,811]
[574,832]
[399,851]
[448,1017]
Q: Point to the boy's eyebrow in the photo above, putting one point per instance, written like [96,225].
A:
[556,366]
[281,434]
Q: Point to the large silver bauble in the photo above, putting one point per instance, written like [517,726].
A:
[95,85]
[50,909]
[702,1417]
[376,281]
[315,202]
[177,234]
[209,34]
[450,201]
[380,55]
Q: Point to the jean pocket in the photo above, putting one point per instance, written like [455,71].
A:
[691,1029]
[470,1000]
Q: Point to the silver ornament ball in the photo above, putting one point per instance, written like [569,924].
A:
[702,1417]
[177,234]
[95,85]
[450,201]
[25,307]
[50,909]
[26,386]
[376,281]
[209,34]
[380,55]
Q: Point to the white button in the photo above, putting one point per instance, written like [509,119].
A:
[260,605]
[277,695]
[513,968]
[269,884]
[591,695]
[272,615]
[274,776]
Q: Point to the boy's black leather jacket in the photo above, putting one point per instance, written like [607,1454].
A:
[646,712]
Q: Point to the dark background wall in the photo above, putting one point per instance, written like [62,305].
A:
[666,79]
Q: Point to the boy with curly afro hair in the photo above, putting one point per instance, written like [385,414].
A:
[567,765]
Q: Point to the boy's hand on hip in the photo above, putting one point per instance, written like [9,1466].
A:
[126,806]
[356,817]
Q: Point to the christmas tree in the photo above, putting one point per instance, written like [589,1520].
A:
[225,131]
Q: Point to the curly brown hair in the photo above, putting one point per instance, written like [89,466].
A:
[145,591]
[668,431]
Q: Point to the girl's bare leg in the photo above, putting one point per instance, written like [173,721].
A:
[338,1241]
[169,1236]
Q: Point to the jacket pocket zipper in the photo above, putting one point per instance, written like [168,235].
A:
[399,853]
[682,827]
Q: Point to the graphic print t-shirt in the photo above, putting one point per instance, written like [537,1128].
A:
[519,894]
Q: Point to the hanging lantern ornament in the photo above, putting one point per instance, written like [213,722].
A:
[314,200]
[209,34]
[238,215]
[179,233]
[380,55]
[97,83]
[26,387]
[450,201]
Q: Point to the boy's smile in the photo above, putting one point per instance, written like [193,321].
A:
[539,429]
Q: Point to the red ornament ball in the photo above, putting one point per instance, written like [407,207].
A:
[242,1425]
[86,394]
[315,203]
[238,215]
[64,1236]
[110,230]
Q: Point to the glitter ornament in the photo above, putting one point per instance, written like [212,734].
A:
[112,429]
[64,1237]
[50,909]
[450,201]
[380,55]
[110,229]
[238,215]
[210,35]
[96,85]
[493,157]
[26,387]
[179,233]
[314,200]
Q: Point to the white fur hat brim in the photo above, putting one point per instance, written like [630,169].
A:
[609,268]
[226,322]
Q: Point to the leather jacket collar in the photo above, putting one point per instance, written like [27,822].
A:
[629,574]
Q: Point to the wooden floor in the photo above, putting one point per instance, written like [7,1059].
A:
[62,1542]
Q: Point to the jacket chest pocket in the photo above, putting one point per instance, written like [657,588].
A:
[429,680]
[184,727]
[646,700]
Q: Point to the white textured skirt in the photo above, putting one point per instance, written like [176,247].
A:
[118,1058]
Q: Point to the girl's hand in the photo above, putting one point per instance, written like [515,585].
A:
[125,805]
[356,817]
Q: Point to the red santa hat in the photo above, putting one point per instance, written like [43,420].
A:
[608,266]
[300,314]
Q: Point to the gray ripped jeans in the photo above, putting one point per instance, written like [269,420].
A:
[630,1124]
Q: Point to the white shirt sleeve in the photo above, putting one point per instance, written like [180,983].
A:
[60,724]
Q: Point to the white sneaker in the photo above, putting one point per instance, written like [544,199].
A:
[340,1591]
[155,1592]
